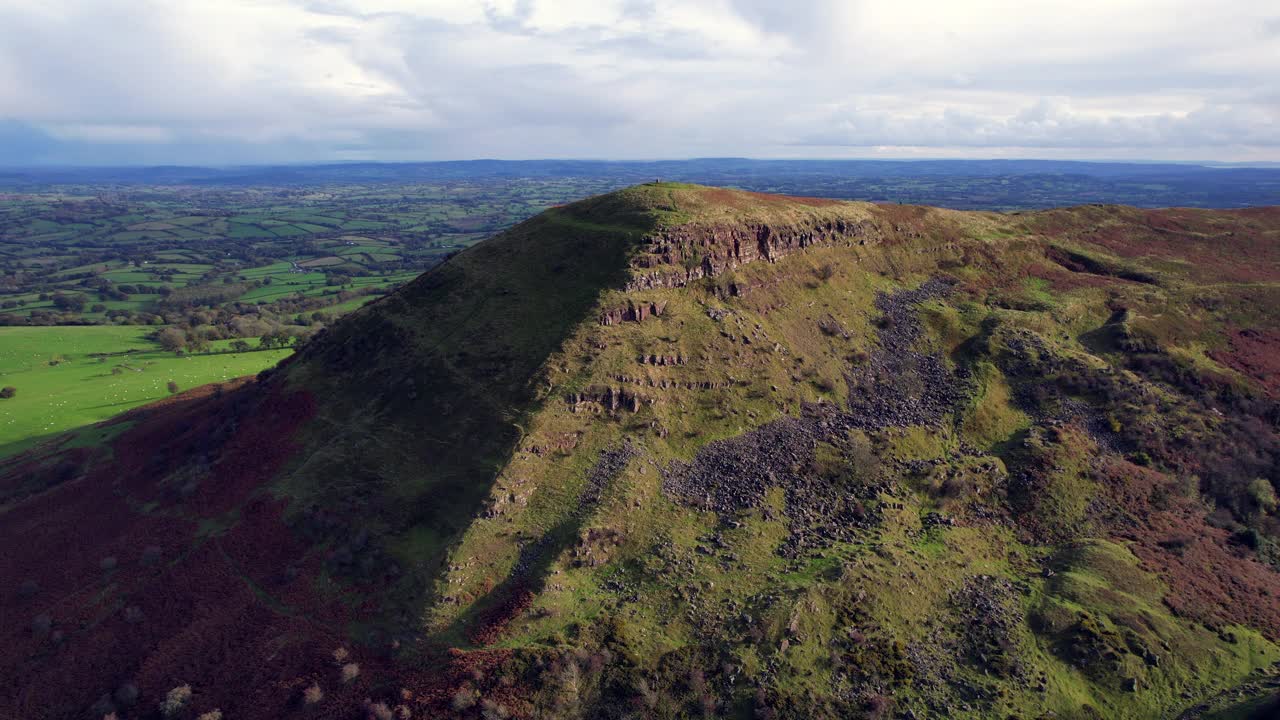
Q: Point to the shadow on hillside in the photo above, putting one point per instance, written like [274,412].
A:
[423,395]
[487,617]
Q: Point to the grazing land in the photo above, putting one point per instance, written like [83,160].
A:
[66,377]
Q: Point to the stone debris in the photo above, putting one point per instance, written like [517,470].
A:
[991,618]
[898,386]
[734,475]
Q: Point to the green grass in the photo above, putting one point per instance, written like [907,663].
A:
[79,389]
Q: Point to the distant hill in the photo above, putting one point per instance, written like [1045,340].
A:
[961,184]
[681,451]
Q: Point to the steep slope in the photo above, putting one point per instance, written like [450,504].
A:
[681,451]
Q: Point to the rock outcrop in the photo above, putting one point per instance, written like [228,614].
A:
[608,398]
[680,256]
[632,312]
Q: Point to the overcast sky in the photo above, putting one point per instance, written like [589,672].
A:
[247,81]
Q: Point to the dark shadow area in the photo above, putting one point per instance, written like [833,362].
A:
[423,396]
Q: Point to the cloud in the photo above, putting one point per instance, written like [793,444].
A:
[1050,124]
[234,81]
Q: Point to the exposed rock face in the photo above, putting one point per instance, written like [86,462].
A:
[633,312]
[661,360]
[707,252]
[608,398]
[668,384]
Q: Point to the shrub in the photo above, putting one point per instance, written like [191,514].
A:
[175,701]
[350,672]
[464,699]
[692,260]
[211,715]
[340,655]
[313,694]
[1263,495]
[7,392]
[1249,537]
[380,711]
[490,710]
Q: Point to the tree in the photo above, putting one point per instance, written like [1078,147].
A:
[7,392]
[240,346]
[173,387]
[274,339]
[172,339]
[70,303]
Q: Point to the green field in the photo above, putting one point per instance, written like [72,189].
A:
[61,385]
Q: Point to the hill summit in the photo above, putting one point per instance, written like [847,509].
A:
[680,451]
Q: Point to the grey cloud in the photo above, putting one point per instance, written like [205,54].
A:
[1048,125]
[337,79]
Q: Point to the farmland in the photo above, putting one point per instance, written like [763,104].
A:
[65,377]
[138,255]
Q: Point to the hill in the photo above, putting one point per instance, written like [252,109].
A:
[681,451]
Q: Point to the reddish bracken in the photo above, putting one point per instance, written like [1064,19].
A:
[174,607]
[215,610]
[1256,354]
[491,623]
[1208,579]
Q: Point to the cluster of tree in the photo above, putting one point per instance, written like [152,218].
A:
[180,339]
[294,309]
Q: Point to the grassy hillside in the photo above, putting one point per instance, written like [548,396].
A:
[677,451]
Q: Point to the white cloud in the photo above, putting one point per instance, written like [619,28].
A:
[405,79]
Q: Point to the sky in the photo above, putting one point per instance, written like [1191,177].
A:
[222,82]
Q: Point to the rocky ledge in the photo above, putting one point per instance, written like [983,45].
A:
[682,255]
